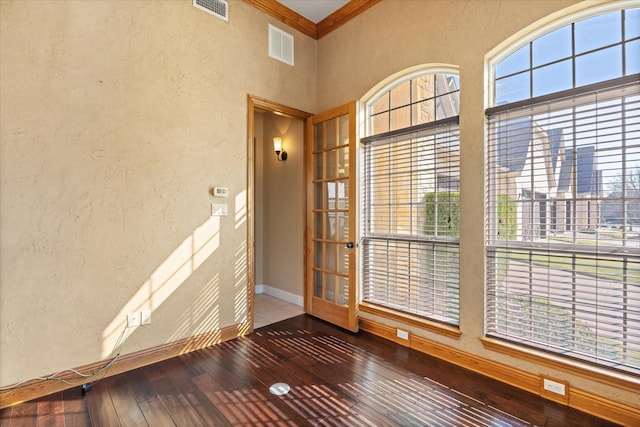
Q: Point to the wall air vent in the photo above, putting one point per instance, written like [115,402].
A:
[219,8]
[280,45]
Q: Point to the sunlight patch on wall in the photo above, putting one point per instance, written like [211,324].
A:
[241,300]
[204,313]
[241,208]
[167,278]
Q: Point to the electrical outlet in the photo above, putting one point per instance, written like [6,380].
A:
[554,387]
[403,335]
[145,317]
[133,320]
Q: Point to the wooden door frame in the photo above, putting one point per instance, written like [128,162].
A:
[254,102]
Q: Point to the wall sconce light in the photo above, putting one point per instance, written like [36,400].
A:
[277,147]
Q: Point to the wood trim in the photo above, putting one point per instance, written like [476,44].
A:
[307,27]
[35,389]
[582,400]
[343,15]
[286,16]
[435,327]
[615,379]
[274,107]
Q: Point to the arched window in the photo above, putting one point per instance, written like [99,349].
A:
[563,192]
[410,191]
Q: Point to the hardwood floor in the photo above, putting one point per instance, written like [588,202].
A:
[336,378]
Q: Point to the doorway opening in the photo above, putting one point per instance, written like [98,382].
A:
[276,211]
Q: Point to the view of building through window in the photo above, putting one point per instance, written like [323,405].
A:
[563,193]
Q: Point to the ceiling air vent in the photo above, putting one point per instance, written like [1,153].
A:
[280,45]
[219,8]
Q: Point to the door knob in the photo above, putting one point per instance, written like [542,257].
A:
[350,245]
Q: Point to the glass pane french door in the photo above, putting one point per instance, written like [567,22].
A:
[331,289]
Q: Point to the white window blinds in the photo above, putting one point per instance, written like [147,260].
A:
[563,223]
[410,220]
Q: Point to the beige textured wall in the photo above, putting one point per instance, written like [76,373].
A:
[395,35]
[283,243]
[117,118]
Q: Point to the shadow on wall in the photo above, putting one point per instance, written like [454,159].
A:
[204,311]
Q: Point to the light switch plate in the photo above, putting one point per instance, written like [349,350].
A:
[218,209]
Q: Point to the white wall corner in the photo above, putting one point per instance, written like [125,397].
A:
[280,294]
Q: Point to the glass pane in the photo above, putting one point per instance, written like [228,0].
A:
[318,196]
[330,287]
[317,166]
[330,256]
[343,290]
[632,23]
[379,123]
[552,78]
[423,112]
[599,66]
[317,225]
[401,95]
[317,284]
[516,62]
[598,31]
[331,230]
[633,57]
[343,161]
[423,87]
[331,134]
[317,255]
[340,223]
[343,258]
[343,130]
[447,84]
[331,158]
[401,118]
[317,142]
[343,195]
[448,105]
[514,88]
[382,104]
[552,47]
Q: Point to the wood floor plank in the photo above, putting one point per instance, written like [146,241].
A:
[336,378]
[177,405]
[51,410]
[126,406]
[25,415]
[76,413]
[100,406]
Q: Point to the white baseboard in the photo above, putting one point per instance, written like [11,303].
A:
[280,294]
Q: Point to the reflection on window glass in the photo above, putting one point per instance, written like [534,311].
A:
[512,89]
[633,57]
[552,47]
[632,23]
[578,54]
[421,99]
[552,78]
[599,31]
[517,61]
[599,66]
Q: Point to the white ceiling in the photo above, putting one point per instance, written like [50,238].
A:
[314,10]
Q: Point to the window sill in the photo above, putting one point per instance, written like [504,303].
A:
[412,320]
[613,378]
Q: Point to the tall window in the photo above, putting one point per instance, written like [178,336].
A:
[410,198]
[563,193]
